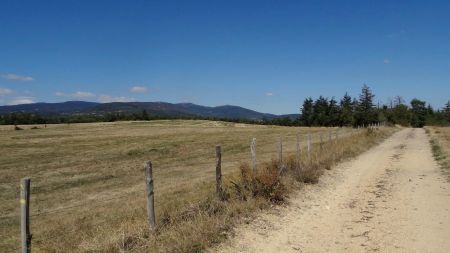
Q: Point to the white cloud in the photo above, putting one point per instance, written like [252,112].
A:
[109,99]
[138,89]
[386,61]
[269,94]
[15,77]
[22,100]
[5,91]
[78,94]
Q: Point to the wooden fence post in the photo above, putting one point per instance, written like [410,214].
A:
[321,141]
[337,134]
[219,171]
[150,195]
[280,151]
[25,215]
[253,152]
[298,151]
[309,147]
[330,137]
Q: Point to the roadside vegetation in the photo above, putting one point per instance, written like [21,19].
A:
[440,145]
[88,192]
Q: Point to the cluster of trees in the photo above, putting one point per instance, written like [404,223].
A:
[363,111]
[347,111]
[24,118]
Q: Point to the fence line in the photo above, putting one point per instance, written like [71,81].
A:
[25,185]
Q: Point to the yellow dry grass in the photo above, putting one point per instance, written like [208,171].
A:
[440,143]
[88,191]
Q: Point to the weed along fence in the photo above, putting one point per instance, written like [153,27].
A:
[303,162]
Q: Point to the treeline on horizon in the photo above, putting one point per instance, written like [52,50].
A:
[323,111]
[362,111]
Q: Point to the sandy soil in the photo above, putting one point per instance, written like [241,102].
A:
[392,198]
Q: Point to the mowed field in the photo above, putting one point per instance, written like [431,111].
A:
[87,180]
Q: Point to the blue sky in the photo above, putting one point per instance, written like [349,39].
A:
[263,55]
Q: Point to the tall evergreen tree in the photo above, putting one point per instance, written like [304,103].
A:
[418,113]
[145,115]
[401,114]
[306,112]
[346,111]
[365,110]
[321,113]
[333,113]
[447,111]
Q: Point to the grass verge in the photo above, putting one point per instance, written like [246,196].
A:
[197,226]
[440,146]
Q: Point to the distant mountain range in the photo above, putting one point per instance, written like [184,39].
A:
[152,108]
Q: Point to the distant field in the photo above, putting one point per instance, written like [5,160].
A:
[88,178]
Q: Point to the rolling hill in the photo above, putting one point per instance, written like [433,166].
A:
[152,108]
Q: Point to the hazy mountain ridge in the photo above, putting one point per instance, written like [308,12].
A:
[152,108]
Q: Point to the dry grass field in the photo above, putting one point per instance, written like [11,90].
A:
[440,142]
[87,181]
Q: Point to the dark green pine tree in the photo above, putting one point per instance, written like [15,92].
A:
[144,115]
[333,113]
[320,109]
[447,112]
[418,113]
[346,112]
[306,112]
[365,110]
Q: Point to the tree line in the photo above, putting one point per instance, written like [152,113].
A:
[25,118]
[363,111]
[322,111]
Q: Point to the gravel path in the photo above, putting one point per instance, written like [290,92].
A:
[392,198]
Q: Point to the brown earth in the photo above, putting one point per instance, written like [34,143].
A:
[393,198]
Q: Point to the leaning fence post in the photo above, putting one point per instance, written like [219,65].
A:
[25,215]
[218,171]
[150,195]
[253,152]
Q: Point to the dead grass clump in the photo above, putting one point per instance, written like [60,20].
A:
[310,174]
[265,184]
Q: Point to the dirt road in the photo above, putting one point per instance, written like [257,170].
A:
[392,198]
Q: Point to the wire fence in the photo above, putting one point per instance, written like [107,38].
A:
[320,137]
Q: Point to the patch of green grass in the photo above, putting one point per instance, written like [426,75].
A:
[437,150]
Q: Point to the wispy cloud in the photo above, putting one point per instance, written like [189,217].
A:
[22,100]
[269,94]
[138,89]
[78,94]
[109,99]
[5,91]
[15,77]
[396,34]
[386,61]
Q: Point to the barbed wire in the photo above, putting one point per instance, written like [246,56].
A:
[63,209]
